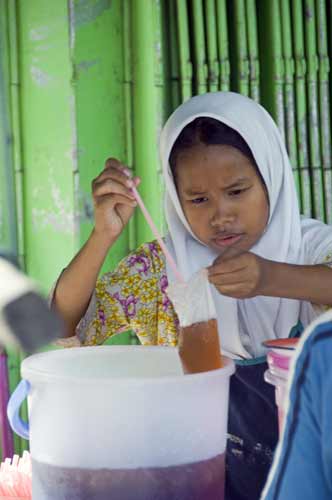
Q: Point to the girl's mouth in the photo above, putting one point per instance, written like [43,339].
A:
[228,240]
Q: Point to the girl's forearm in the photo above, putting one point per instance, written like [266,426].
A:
[311,283]
[77,282]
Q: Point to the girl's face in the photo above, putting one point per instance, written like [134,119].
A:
[223,197]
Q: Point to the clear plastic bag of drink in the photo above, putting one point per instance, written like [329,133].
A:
[199,346]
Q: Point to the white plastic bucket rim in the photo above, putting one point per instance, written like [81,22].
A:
[33,374]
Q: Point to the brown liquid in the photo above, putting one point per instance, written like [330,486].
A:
[199,347]
[197,481]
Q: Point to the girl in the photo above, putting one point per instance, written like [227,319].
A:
[230,206]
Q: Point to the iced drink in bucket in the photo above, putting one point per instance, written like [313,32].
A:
[199,346]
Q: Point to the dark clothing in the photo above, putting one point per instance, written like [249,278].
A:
[252,429]
[252,432]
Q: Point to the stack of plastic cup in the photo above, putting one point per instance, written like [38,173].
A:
[15,478]
[279,358]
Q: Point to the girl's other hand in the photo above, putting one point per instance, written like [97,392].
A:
[114,203]
[241,276]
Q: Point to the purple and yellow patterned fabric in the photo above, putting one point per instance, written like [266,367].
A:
[132,297]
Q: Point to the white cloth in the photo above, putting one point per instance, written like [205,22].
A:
[287,237]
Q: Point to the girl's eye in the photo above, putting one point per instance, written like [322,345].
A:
[236,192]
[198,201]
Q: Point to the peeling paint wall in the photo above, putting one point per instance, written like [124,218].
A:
[72,118]
[98,75]
[48,136]
[78,94]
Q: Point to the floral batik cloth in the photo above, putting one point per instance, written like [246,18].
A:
[133,297]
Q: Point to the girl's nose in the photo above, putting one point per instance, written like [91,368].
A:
[222,216]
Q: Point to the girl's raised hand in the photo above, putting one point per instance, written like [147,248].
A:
[114,203]
[241,276]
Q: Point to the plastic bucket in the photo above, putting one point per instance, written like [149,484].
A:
[279,362]
[123,422]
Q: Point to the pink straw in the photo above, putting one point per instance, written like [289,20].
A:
[157,235]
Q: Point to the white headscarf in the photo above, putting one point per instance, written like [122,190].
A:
[287,238]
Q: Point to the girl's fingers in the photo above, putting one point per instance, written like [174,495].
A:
[109,186]
[118,173]
[132,181]
[136,180]
[115,199]
[228,279]
[114,163]
[231,265]
[115,179]
[112,173]
[226,268]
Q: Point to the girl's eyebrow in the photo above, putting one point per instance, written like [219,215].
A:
[194,191]
[240,180]
[199,190]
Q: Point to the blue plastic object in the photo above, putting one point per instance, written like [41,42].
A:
[13,409]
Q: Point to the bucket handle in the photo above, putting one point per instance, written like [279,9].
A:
[13,409]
